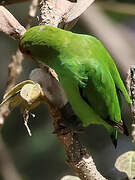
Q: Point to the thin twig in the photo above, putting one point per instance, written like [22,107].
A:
[111,35]
[7,168]
[14,69]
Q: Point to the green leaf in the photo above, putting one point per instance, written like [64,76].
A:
[126,163]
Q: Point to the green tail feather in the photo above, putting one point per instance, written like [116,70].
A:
[114,137]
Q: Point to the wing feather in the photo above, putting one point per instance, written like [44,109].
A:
[103,55]
[100,93]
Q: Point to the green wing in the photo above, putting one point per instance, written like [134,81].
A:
[104,84]
[100,93]
[105,58]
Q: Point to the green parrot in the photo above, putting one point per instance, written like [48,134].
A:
[86,72]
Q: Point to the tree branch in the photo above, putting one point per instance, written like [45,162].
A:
[77,156]
[53,13]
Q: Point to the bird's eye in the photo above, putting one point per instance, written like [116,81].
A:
[28,52]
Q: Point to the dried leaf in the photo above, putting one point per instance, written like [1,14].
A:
[30,92]
[17,88]
[126,163]
[9,25]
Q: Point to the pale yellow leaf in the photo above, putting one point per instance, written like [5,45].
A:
[126,163]
[13,96]
[30,92]
[16,88]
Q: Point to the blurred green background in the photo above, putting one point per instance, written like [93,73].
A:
[41,157]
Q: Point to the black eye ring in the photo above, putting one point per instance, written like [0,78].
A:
[28,52]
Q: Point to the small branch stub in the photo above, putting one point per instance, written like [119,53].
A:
[9,25]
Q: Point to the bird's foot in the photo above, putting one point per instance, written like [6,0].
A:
[71,123]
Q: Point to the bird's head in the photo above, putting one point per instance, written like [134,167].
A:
[42,43]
